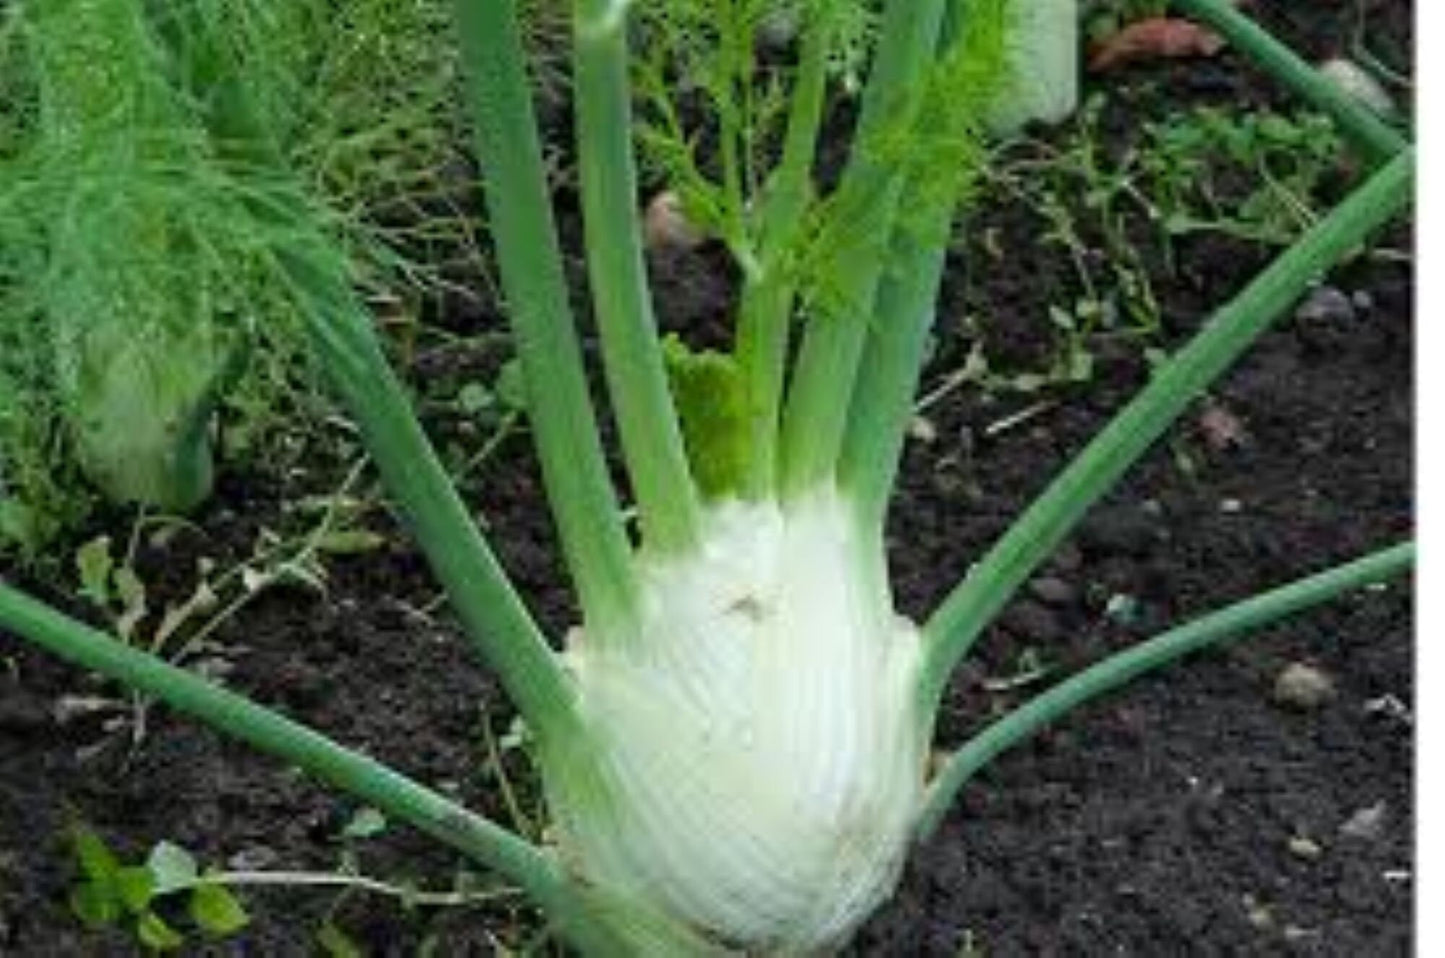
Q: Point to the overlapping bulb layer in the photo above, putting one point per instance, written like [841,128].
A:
[757,759]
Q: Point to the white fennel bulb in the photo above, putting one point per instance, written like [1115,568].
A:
[756,756]
[1043,53]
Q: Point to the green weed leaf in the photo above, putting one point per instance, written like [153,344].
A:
[19,524]
[350,541]
[336,943]
[171,867]
[131,592]
[473,398]
[95,903]
[510,387]
[216,910]
[96,859]
[153,932]
[366,823]
[135,887]
[712,404]
[94,564]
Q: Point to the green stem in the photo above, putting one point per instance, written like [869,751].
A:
[559,408]
[377,785]
[496,620]
[1361,124]
[408,895]
[736,66]
[1122,667]
[816,416]
[904,311]
[667,500]
[973,603]
[767,297]
[888,380]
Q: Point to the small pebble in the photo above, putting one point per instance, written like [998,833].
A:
[1259,914]
[1325,305]
[1032,621]
[1052,590]
[1221,428]
[1390,707]
[1066,558]
[1367,824]
[1306,848]
[1122,608]
[664,225]
[1359,83]
[922,429]
[1303,687]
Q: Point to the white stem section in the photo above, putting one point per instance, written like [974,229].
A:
[755,759]
[1043,54]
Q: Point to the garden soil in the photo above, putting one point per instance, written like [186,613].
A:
[1195,813]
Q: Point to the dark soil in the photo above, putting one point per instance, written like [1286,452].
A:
[1191,814]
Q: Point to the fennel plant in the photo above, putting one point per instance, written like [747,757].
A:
[734,739]
[137,291]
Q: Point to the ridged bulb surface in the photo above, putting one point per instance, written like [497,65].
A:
[757,761]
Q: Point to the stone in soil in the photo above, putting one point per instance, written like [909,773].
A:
[1303,687]
[1367,824]
[1032,621]
[1051,590]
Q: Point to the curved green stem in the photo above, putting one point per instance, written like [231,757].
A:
[347,882]
[907,295]
[559,408]
[816,415]
[496,620]
[882,402]
[391,792]
[1360,124]
[1123,667]
[765,312]
[973,603]
[667,500]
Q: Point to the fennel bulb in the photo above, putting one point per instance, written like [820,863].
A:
[1043,53]
[755,758]
[141,403]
